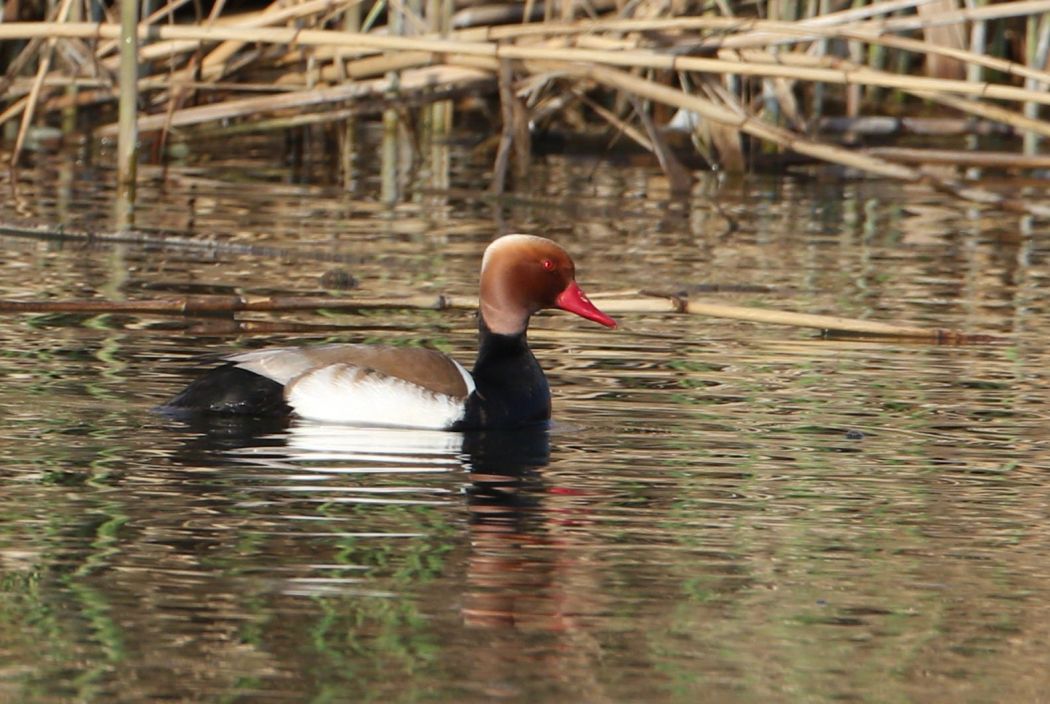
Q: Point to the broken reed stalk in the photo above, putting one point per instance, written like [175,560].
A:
[639,302]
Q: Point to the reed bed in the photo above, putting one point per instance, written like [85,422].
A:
[718,84]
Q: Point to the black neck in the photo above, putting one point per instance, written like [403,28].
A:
[511,388]
[495,349]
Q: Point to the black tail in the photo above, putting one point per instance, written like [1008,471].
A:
[230,389]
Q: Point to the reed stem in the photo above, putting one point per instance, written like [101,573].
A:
[127,139]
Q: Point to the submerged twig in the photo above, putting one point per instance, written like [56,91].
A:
[639,302]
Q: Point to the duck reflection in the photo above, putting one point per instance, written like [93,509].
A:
[505,585]
[212,433]
[508,576]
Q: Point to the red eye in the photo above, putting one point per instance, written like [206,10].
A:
[548,264]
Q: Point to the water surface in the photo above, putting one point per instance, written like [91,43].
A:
[721,511]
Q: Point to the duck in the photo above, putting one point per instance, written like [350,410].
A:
[412,387]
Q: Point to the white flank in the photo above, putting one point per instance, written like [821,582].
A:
[344,393]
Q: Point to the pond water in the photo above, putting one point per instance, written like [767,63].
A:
[721,511]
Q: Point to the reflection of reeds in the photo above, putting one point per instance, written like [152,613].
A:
[636,70]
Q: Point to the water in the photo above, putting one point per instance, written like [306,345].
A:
[721,511]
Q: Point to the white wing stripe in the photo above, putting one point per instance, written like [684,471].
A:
[467,378]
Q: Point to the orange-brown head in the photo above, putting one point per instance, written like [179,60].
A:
[522,274]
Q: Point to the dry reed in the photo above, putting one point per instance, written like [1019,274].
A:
[615,66]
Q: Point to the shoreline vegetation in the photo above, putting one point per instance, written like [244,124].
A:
[718,83]
[934,92]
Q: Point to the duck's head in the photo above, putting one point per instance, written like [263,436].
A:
[523,274]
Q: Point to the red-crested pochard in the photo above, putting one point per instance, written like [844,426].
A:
[413,387]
